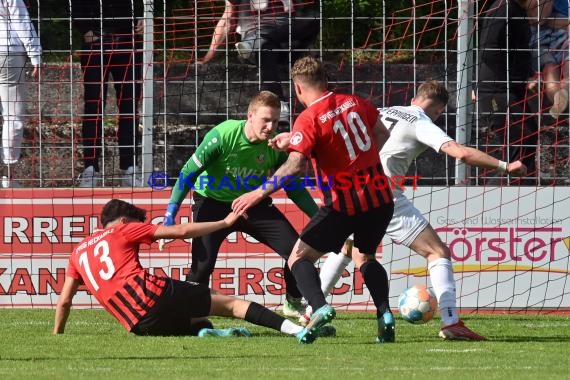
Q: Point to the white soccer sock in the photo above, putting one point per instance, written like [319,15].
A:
[288,327]
[332,270]
[441,275]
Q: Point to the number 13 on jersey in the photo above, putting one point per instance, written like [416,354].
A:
[101,251]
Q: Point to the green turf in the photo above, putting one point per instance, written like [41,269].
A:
[95,346]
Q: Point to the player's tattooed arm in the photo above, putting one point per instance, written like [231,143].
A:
[296,164]
[288,171]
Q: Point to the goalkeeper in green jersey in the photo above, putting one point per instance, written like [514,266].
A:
[233,159]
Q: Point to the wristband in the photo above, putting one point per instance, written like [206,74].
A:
[502,168]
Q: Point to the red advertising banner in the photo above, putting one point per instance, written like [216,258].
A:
[509,247]
[40,227]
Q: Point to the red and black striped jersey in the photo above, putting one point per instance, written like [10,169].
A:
[336,132]
[108,263]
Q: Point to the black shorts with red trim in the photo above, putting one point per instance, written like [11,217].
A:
[328,229]
[173,312]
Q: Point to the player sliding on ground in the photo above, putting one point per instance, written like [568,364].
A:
[108,263]
[412,131]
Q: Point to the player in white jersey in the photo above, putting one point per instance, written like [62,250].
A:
[412,131]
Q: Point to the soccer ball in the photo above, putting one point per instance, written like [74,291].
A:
[417,304]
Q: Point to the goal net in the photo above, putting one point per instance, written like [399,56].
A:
[509,239]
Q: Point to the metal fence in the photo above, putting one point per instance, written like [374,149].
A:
[382,55]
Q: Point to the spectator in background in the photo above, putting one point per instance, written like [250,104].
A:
[18,39]
[111,32]
[549,44]
[504,69]
[264,28]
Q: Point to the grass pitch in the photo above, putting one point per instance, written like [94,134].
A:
[96,346]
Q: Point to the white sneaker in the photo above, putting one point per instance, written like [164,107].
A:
[132,178]
[244,49]
[8,183]
[90,178]
[293,307]
[559,104]
[285,113]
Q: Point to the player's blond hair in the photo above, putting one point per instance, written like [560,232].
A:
[264,99]
[310,71]
[433,90]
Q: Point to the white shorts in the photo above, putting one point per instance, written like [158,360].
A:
[407,222]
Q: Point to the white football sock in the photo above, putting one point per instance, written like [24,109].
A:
[288,327]
[441,275]
[331,270]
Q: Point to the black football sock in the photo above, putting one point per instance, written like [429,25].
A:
[309,282]
[259,315]
[290,283]
[376,280]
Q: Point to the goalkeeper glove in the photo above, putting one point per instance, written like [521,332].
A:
[170,214]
